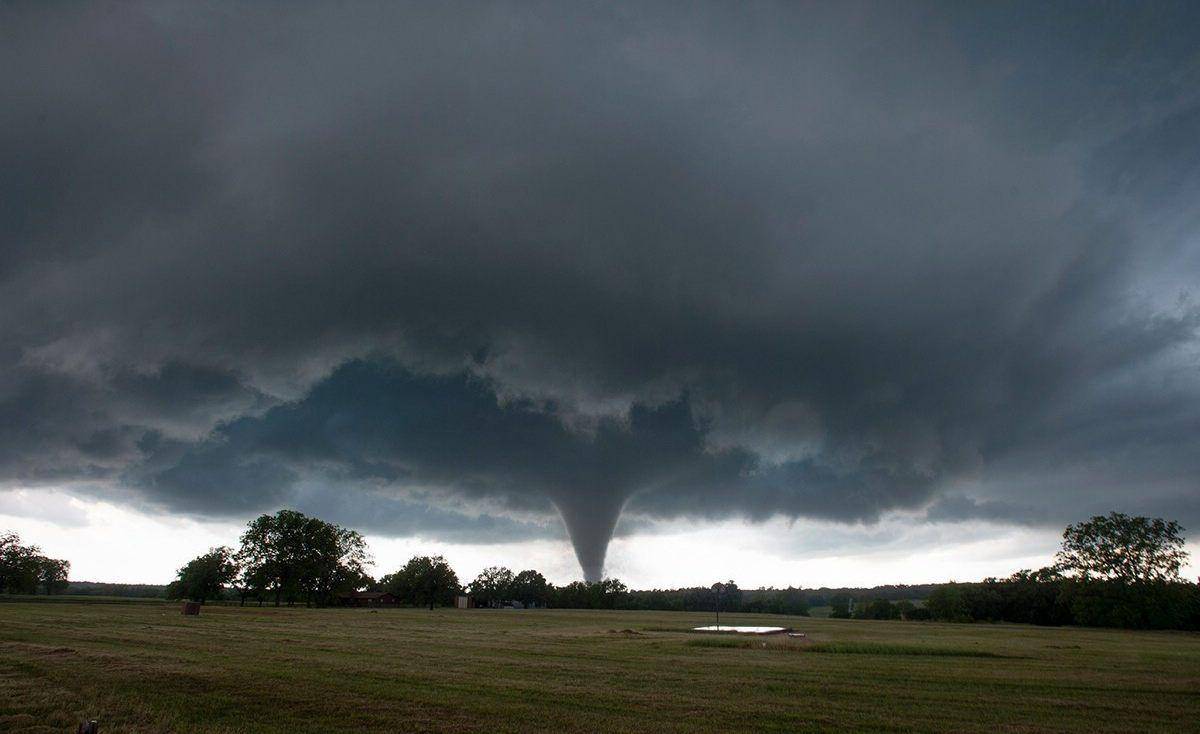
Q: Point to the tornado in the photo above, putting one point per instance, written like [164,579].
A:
[590,519]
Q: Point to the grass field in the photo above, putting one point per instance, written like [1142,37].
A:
[143,667]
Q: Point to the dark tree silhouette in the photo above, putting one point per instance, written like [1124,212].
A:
[1123,548]
[23,568]
[204,577]
[296,557]
[492,586]
[424,581]
[531,588]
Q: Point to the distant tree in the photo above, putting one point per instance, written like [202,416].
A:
[840,607]
[946,603]
[1036,597]
[18,565]
[23,568]
[531,588]
[730,596]
[492,586]
[918,614]
[574,595]
[424,581]
[877,609]
[774,601]
[1123,548]
[204,577]
[96,588]
[607,594]
[52,574]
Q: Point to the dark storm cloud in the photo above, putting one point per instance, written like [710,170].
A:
[826,261]
[377,422]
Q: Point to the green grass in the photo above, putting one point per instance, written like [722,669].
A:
[721,642]
[71,598]
[778,643]
[882,648]
[145,668]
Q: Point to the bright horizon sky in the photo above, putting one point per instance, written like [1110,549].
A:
[105,542]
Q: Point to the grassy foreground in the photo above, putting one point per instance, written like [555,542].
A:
[145,668]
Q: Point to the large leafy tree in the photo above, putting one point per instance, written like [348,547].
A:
[205,577]
[52,574]
[255,582]
[1123,548]
[606,594]
[424,581]
[269,554]
[23,568]
[531,588]
[492,586]
[294,557]
[332,561]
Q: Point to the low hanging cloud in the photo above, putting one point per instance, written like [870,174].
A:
[378,423]
[456,271]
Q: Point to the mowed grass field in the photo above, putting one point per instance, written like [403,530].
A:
[143,667]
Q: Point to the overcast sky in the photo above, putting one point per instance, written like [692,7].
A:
[794,294]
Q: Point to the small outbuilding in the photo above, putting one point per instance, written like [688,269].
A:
[368,599]
[462,601]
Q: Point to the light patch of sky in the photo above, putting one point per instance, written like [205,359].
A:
[775,554]
[106,542]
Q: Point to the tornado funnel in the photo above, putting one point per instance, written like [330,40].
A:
[590,521]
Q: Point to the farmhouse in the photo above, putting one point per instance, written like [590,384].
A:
[368,599]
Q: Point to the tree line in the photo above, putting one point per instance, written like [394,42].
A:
[291,558]
[285,558]
[128,591]
[1113,570]
[25,570]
